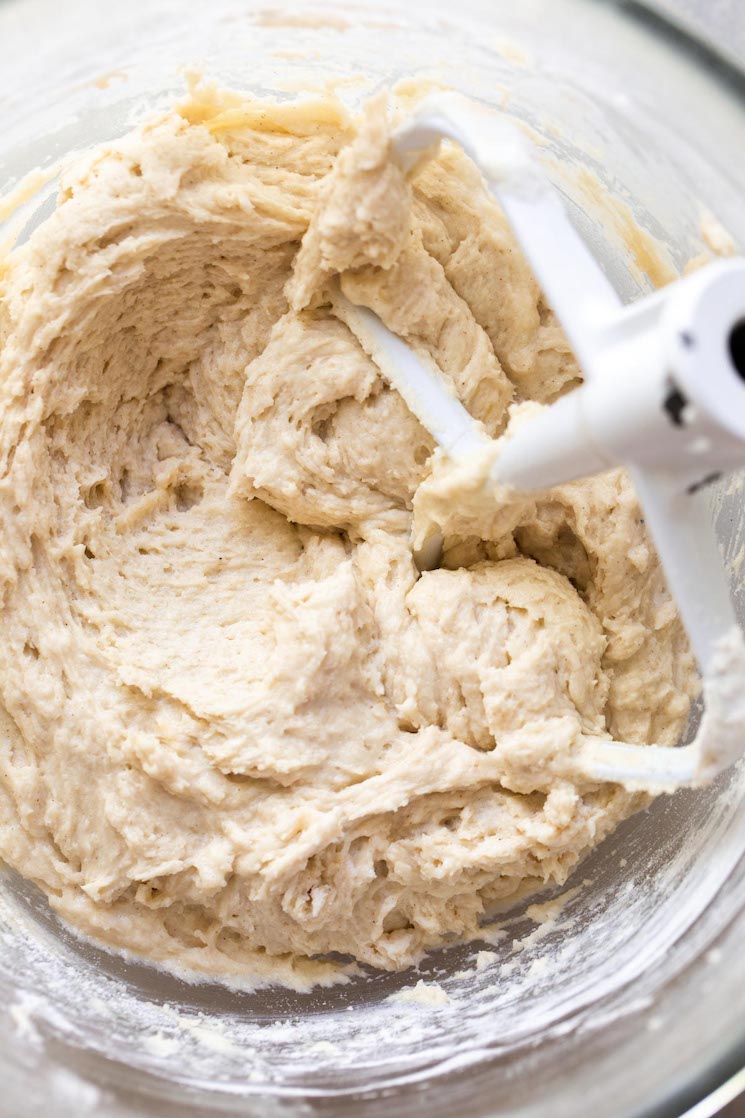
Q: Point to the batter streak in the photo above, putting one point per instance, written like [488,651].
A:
[248,731]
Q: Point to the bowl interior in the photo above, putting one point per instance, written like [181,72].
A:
[498,1019]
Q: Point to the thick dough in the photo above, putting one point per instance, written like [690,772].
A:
[248,732]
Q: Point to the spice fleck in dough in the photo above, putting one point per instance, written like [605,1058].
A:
[246,730]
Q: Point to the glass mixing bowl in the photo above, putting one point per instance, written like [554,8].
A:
[630,1001]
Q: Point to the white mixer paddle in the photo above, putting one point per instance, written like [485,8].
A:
[663,396]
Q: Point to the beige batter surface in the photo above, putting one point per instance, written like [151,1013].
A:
[248,731]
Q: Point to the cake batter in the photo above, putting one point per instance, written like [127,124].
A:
[247,731]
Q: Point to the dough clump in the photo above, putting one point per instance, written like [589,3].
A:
[242,730]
